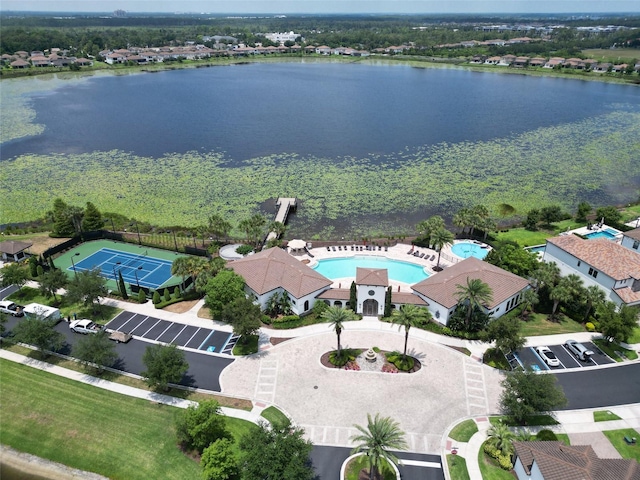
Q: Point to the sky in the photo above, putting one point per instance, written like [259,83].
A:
[327,6]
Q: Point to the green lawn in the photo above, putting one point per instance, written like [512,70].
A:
[273,415]
[463,431]
[635,336]
[357,464]
[251,346]
[103,313]
[616,437]
[457,467]
[527,238]
[611,349]
[537,420]
[92,429]
[604,416]
[538,324]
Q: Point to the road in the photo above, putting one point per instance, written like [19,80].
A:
[328,460]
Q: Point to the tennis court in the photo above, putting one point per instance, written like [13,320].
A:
[145,267]
[139,269]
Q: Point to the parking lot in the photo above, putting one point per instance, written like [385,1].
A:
[530,359]
[164,331]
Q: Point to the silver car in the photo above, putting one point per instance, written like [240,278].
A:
[84,326]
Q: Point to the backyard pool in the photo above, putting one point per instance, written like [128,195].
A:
[397,270]
[469,249]
[608,234]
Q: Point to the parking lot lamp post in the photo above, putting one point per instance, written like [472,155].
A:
[75,273]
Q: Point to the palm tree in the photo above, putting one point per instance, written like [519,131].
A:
[181,266]
[529,299]
[500,437]
[278,228]
[409,316]
[559,293]
[593,296]
[475,293]
[461,219]
[547,274]
[336,316]
[381,435]
[441,238]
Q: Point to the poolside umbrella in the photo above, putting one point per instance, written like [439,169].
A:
[297,246]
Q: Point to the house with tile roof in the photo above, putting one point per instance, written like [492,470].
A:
[274,271]
[612,267]
[14,250]
[631,240]
[553,460]
[439,291]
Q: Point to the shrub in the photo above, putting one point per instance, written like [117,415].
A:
[176,292]
[346,355]
[199,426]
[546,435]
[266,319]
[142,297]
[505,462]
[590,327]
[319,308]
[244,249]
[401,363]
[167,295]
[490,450]
[156,297]
[286,319]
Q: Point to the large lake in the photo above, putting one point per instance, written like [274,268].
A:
[368,148]
[321,109]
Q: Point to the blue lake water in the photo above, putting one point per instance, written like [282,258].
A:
[328,110]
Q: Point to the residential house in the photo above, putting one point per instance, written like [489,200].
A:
[553,460]
[631,240]
[554,62]
[507,60]
[323,50]
[520,62]
[20,63]
[602,67]
[492,61]
[537,62]
[612,267]
[439,291]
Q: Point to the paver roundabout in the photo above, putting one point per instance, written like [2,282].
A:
[328,402]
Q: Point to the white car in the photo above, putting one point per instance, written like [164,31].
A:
[548,356]
[84,326]
[11,308]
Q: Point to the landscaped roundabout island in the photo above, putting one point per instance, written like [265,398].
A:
[370,360]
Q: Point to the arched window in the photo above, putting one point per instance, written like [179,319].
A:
[337,303]
[306,305]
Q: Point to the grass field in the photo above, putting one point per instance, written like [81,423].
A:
[616,437]
[464,431]
[457,467]
[527,238]
[604,416]
[619,55]
[273,415]
[92,429]
[539,324]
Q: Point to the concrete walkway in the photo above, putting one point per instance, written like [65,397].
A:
[577,424]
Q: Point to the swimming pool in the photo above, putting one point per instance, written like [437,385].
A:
[469,249]
[608,234]
[397,270]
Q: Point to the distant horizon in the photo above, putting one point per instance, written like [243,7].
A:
[329,7]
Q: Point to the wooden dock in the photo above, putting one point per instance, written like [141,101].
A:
[285,205]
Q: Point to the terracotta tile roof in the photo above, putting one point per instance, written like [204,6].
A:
[405,297]
[635,234]
[12,247]
[372,276]
[274,268]
[336,294]
[557,461]
[604,255]
[441,288]
[628,295]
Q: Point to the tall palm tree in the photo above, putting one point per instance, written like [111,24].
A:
[547,274]
[529,299]
[461,219]
[475,293]
[593,296]
[409,316]
[336,316]
[441,238]
[381,435]
[501,438]
[559,293]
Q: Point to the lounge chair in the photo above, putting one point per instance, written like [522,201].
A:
[333,248]
[408,253]
[328,249]
[379,248]
[386,248]
[422,255]
[352,248]
[433,257]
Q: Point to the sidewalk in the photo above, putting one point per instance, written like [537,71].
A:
[576,423]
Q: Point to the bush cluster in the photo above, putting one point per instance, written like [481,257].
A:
[401,362]
[546,435]
[346,355]
[503,460]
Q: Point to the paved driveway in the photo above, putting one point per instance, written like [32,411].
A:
[328,402]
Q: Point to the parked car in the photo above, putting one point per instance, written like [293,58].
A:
[11,308]
[579,350]
[84,326]
[548,356]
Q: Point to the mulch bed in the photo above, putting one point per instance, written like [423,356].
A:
[324,360]
[276,341]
